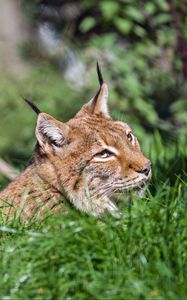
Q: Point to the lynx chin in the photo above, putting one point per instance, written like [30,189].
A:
[86,160]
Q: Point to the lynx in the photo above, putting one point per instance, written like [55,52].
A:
[86,160]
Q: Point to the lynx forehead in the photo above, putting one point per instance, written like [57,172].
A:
[87,160]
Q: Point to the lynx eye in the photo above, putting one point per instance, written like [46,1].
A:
[104,154]
[131,138]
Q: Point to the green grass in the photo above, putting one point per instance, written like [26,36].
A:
[143,255]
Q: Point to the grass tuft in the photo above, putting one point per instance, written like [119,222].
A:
[142,255]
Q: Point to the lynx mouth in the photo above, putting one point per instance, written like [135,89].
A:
[120,192]
[138,188]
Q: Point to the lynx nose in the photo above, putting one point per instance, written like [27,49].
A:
[145,169]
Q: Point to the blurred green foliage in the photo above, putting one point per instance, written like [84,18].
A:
[138,42]
[47,89]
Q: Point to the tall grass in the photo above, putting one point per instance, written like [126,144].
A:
[143,255]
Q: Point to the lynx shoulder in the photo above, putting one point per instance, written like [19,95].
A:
[86,160]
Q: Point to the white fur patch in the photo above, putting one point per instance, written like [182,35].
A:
[52,131]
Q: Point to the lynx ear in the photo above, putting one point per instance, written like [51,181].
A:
[50,132]
[100,101]
[98,105]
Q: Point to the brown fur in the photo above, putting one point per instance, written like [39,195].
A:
[86,160]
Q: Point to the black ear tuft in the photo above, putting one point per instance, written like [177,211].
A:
[100,76]
[33,106]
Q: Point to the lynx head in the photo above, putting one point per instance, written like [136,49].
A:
[90,157]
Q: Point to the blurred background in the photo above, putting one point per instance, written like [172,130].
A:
[48,54]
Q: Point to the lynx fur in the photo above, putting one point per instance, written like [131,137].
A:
[86,160]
